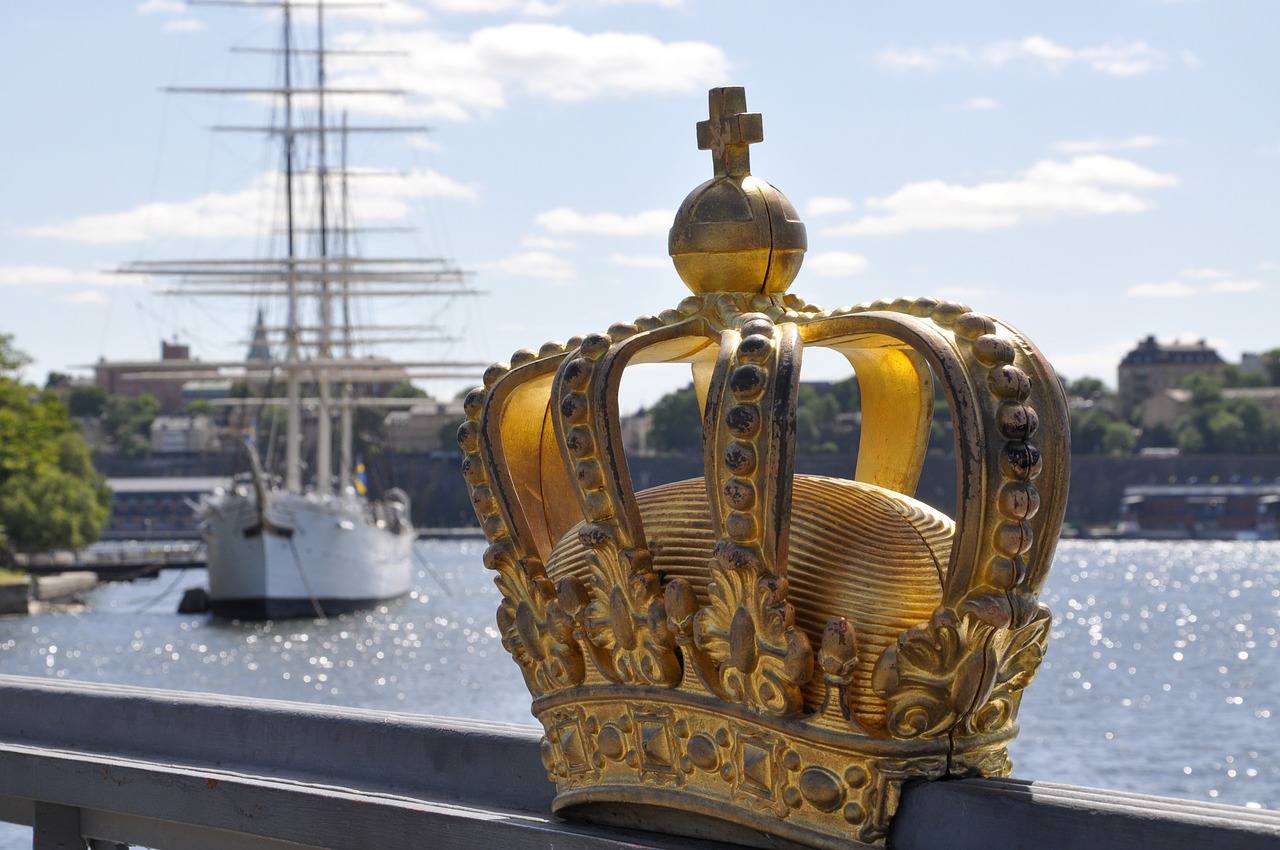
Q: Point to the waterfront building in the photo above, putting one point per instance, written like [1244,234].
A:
[164,380]
[1153,367]
[427,426]
[1170,407]
[189,433]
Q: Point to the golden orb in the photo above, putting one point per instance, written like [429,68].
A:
[735,232]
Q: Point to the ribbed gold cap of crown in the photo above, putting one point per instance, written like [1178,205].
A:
[735,232]
[757,655]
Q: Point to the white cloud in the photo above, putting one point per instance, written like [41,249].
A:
[161,7]
[477,6]
[223,215]
[171,7]
[980,104]
[1099,170]
[456,78]
[921,59]
[1082,146]
[33,276]
[642,261]
[383,12]
[423,142]
[539,264]
[828,206]
[184,25]
[87,297]
[546,243]
[836,264]
[1235,287]
[1120,59]
[1085,185]
[565,220]
[1167,289]
[542,8]
[1216,285]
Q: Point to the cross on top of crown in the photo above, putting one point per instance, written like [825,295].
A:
[729,131]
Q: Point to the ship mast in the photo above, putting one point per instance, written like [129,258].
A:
[293,422]
[324,426]
[315,277]
[346,461]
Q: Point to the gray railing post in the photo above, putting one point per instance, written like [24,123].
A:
[56,827]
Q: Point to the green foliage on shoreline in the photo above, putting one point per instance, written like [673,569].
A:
[1220,425]
[826,419]
[50,494]
[826,415]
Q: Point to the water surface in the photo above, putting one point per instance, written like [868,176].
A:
[1163,672]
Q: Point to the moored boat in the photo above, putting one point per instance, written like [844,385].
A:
[1194,511]
[281,545]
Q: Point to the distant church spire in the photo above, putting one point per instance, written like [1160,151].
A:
[258,348]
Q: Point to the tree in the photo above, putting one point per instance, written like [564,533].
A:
[815,421]
[848,394]
[1098,432]
[11,359]
[1227,433]
[1189,439]
[1088,430]
[1205,391]
[1119,439]
[1087,388]
[1221,425]
[1271,361]
[50,494]
[87,401]
[129,421]
[1232,376]
[407,390]
[448,432]
[677,422]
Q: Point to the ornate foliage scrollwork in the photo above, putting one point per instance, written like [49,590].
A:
[533,628]
[626,622]
[625,619]
[936,672]
[749,627]
[1019,658]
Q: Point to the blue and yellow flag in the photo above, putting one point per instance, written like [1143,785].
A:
[361,479]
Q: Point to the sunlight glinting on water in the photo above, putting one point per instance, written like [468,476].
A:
[1162,676]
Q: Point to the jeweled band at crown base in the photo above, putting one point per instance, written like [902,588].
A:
[775,651]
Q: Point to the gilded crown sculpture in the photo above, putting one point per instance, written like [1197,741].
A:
[757,650]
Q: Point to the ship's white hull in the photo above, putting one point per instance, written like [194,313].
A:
[303,555]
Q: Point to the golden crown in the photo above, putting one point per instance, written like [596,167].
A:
[778,652]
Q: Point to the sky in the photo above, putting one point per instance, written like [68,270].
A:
[1091,172]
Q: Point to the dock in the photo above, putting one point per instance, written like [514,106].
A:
[123,561]
[134,559]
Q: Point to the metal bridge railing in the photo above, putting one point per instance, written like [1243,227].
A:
[103,766]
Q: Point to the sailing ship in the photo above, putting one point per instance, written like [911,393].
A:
[281,547]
